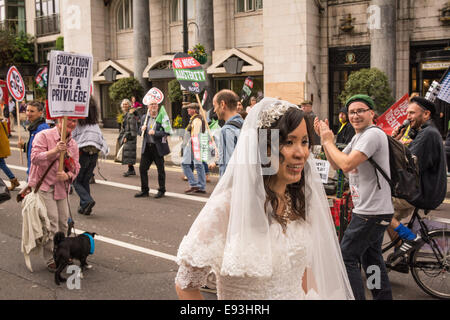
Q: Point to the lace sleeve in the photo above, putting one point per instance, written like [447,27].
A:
[189,277]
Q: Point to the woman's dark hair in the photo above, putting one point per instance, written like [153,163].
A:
[285,125]
[92,116]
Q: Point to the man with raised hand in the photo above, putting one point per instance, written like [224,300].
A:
[154,147]
[373,208]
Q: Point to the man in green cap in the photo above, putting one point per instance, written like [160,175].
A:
[373,208]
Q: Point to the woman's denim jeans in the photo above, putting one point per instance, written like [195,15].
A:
[5,169]
[361,245]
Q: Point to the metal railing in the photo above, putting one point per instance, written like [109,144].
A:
[46,25]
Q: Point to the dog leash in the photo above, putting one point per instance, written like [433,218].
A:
[70,221]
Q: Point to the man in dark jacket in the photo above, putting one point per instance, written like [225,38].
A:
[35,115]
[154,148]
[428,147]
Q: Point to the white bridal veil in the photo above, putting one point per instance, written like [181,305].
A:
[231,233]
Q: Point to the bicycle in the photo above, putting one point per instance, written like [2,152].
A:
[429,263]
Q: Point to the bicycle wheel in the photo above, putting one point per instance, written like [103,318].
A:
[430,274]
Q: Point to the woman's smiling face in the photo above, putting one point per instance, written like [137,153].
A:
[294,154]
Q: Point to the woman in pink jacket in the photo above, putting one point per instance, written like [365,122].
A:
[47,147]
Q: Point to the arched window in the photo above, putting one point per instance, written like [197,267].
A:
[125,15]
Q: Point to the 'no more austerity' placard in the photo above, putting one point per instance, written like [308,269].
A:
[69,82]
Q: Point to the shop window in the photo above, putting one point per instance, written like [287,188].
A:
[176,10]
[248,5]
[125,15]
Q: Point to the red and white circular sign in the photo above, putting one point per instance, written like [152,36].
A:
[153,94]
[15,84]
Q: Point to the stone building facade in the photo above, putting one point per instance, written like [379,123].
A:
[294,49]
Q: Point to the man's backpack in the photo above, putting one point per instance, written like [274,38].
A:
[404,179]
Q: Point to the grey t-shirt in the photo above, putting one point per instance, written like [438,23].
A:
[367,197]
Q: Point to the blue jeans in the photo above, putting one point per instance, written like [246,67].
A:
[5,169]
[81,184]
[200,182]
[361,245]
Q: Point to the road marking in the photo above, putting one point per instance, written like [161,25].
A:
[132,247]
[447,200]
[171,168]
[131,187]
[125,244]
[169,194]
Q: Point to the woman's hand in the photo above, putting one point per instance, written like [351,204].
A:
[20,143]
[60,147]
[62,176]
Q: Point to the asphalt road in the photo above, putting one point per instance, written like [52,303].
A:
[137,243]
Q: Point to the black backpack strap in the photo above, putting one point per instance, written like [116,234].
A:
[377,167]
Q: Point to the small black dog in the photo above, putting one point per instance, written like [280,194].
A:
[66,249]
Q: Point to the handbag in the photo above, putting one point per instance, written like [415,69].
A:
[4,192]
[119,155]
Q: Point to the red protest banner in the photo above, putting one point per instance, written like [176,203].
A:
[185,63]
[394,116]
[4,92]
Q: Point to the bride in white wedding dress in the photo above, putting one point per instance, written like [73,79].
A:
[266,231]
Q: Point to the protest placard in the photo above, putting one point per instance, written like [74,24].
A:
[16,87]
[41,77]
[189,73]
[153,93]
[4,92]
[247,88]
[394,116]
[69,80]
[15,84]
[444,93]
[323,168]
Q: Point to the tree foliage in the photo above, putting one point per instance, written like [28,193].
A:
[371,82]
[59,43]
[125,89]
[175,94]
[15,49]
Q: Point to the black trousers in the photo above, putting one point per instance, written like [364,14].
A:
[149,156]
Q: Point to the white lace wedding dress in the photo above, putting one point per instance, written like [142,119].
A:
[290,257]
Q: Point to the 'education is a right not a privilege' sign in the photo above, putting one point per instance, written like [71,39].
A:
[69,81]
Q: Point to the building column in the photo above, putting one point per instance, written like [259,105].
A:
[383,26]
[141,39]
[205,24]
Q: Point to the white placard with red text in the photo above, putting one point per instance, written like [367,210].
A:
[153,94]
[69,84]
